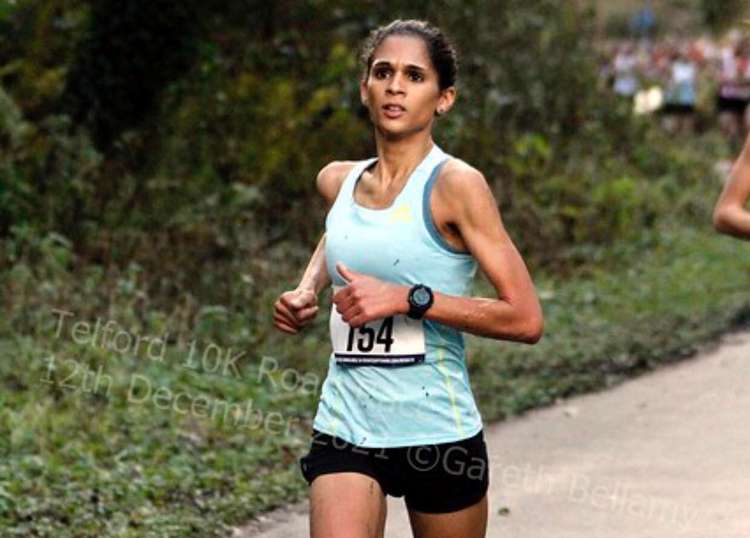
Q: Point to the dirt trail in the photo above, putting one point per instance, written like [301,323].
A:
[665,455]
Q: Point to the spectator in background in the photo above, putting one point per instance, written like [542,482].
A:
[734,90]
[625,73]
[680,94]
[644,21]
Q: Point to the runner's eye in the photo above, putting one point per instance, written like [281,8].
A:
[416,76]
[381,72]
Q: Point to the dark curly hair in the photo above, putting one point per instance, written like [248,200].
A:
[441,50]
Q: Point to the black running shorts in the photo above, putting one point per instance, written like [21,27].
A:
[731,104]
[438,478]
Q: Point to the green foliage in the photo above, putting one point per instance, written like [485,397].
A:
[719,14]
[48,173]
[225,133]
[37,42]
[130,52]
[645,307]
[203,210]
[134,469]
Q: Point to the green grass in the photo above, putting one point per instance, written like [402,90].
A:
[647,308]
[87,460]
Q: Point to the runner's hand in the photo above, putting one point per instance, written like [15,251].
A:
[295,309]
[366,298]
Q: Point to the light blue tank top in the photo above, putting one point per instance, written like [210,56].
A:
[428,402]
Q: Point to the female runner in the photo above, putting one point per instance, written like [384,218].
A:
[730,216]
[404,233]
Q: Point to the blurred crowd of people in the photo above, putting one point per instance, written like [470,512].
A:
[677,77]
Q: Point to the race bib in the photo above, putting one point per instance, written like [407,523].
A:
[393,341]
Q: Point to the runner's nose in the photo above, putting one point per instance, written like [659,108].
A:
[395,84]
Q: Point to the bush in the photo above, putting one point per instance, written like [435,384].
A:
[225,165]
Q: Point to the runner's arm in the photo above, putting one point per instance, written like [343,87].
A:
[514,315]
[298,307]
[328,182]
[730,216]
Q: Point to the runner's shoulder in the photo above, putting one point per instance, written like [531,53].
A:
[458,180]
[330,178]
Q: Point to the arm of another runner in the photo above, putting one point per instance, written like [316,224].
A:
[730,216]
[298,307]
[514,315]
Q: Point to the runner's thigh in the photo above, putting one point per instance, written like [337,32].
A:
[469,522]
[346,505]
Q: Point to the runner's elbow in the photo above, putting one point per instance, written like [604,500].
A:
[527,329]
[722,220]
[532,329]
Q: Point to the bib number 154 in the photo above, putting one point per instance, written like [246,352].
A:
[391,341]
[364,338]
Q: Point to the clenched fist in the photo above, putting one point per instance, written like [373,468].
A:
[294,309]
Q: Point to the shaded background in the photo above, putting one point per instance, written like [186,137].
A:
[157,166]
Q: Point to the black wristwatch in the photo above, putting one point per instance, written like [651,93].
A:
[420,299]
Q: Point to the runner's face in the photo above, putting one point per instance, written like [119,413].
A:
[402,91]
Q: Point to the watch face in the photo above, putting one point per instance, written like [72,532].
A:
[421,297]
